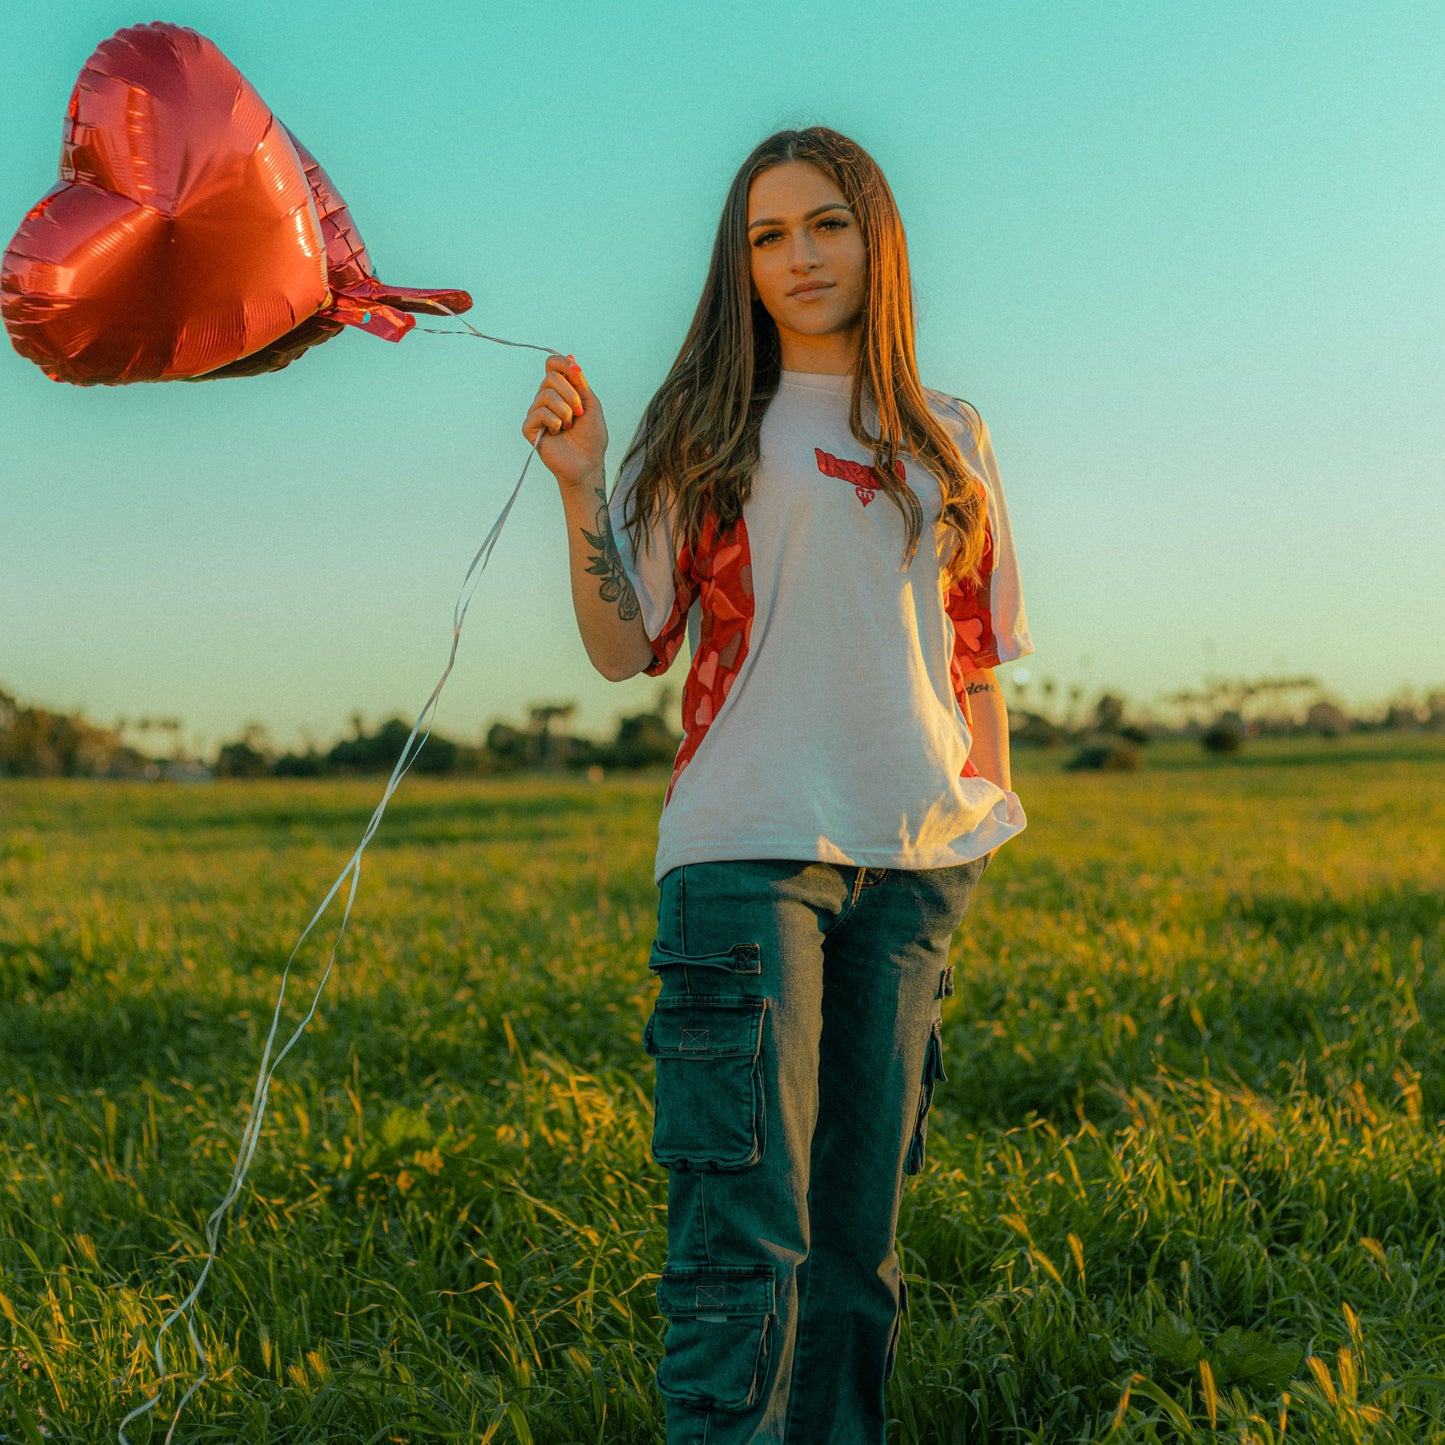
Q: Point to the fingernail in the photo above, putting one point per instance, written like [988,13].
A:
[576,411]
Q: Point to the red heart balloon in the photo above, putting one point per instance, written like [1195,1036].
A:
[182,234]
[191,235]
[358,298]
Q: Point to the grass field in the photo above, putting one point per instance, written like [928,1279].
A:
[1186,1180]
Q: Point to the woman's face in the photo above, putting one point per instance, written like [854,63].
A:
[808,263]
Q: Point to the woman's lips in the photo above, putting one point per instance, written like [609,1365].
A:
[811,288]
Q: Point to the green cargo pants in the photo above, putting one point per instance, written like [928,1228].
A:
[796,1037]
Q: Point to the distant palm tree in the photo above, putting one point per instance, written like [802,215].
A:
[542,716]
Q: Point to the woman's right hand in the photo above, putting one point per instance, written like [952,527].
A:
[565,423]
[568,417]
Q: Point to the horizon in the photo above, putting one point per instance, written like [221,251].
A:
[1183,262]
[1032,696]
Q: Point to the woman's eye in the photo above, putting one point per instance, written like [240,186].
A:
[832,223]
[765,237]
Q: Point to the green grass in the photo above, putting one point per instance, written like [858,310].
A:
[1187,1170]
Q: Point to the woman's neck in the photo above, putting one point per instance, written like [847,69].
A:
[833,354]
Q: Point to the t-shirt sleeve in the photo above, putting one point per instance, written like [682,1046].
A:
[658,573]
[989,621]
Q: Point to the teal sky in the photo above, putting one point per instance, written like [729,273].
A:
[1185,258]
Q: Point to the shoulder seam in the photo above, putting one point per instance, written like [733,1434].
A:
[975,429]
[966,411]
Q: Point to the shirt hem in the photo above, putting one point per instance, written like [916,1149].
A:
[965,850]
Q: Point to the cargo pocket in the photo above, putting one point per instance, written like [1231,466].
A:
[897,1328]
[719,1335]
[708,1100]
[932,1073]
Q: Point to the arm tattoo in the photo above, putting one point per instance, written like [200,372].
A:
[606,563]
[974,687]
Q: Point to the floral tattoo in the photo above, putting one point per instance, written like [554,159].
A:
[606,563]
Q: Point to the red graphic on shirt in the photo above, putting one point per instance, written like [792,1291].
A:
[865,479]
[719,576]
[970,604]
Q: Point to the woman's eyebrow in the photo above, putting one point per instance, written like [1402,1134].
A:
[816,211]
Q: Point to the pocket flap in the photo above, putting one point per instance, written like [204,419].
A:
[740,958]
[705,1028]
[688,1290]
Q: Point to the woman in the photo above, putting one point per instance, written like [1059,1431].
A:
[834,541]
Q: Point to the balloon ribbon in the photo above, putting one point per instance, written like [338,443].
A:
[349,878]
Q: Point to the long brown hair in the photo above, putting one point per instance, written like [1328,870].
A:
[698,439]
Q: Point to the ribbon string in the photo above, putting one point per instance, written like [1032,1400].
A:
[481,335]
[349,878]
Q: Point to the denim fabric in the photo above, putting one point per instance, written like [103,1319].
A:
[796,1037]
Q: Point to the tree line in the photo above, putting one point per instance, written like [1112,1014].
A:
[1221,715]
[39,742]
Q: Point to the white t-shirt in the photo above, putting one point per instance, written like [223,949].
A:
[822,715]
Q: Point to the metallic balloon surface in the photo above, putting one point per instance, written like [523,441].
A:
[182,234]
[189,234]
[357,297]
